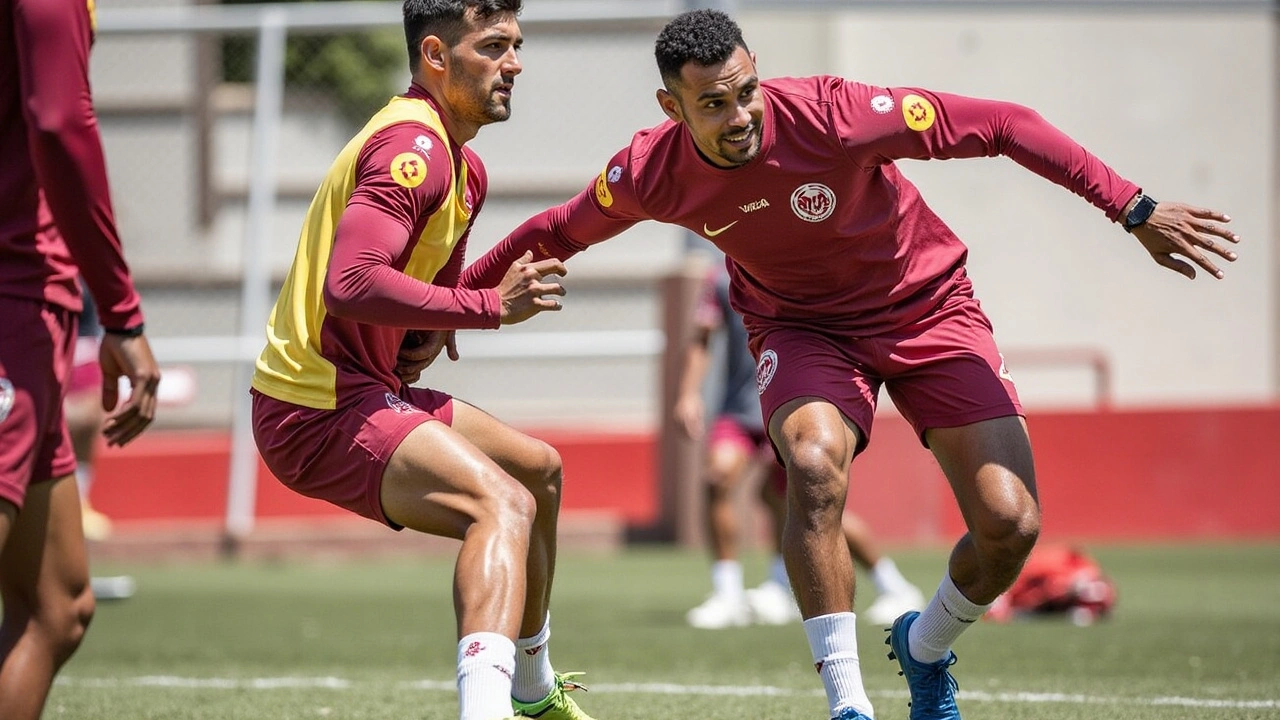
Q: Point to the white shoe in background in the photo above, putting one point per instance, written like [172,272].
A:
[773,604]
[719,611]
[889,606]
[113,587]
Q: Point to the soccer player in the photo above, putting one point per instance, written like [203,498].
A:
[82,409]
[370,301]
[56,223]
[847,281]
[737,449]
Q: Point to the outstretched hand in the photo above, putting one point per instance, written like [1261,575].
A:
[522,290]
[130,357]
[1179,229]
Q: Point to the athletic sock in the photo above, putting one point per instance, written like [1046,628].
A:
[833,640]
[726,578]
[778,572]
[887,579]
[534,677]
[946,616]
[485,665]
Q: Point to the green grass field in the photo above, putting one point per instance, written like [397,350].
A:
[1196,634]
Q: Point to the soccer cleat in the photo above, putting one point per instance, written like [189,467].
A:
[888,606]
[933,690]
[850,714]
[772,604]
[718,611]
[557,705]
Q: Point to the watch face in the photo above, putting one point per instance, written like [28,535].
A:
[1140,212]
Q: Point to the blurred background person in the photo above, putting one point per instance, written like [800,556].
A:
[738,452]
[82,409]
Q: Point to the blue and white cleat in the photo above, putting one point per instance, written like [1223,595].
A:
[933,690]
[850,714]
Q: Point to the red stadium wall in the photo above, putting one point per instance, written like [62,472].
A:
[1118,475]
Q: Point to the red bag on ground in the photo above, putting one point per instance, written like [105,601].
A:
[1058,579]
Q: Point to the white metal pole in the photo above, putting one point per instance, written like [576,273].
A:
[256,285]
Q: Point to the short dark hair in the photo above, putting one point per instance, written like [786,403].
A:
[446,19]
[707,37]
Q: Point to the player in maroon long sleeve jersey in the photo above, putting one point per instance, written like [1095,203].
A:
[847,281]
[56,223]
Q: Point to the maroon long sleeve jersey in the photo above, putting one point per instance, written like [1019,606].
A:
[55,204]
[820,229]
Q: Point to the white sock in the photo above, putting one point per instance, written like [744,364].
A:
[726,578]
[946,616]
[833,639]
[534,678]
[887,579]
[485,664]
[778,572]
[84,479]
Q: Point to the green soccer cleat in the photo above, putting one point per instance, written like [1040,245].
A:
[557,705]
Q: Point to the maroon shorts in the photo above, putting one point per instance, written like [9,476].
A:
[37,342]
[942,371]
[729,430]
[339,455]
[749,441]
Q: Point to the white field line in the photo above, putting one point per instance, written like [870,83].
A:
[333,683]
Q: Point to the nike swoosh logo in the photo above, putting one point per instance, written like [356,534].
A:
[712,233]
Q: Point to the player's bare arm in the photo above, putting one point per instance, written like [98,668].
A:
[523,292]
[1177,229]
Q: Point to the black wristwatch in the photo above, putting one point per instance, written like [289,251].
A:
[1140,213]
[129,332]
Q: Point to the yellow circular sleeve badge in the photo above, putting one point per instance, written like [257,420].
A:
[408,169]
[918,113]
[603,196]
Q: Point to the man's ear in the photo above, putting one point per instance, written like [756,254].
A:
[670,105]
[432,52]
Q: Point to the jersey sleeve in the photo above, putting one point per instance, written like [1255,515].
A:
[397,183]
[53,39]
[881,125]
[608,206]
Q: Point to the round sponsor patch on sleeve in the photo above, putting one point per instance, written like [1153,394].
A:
[408,169]
[918,112]
[603,195]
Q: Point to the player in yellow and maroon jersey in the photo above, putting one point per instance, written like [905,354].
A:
[370,301]
[847,281]
[56,223]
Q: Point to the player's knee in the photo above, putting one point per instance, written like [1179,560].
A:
[65,621]
[1008,538]
[546,476]
[815,481]
[512,506]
